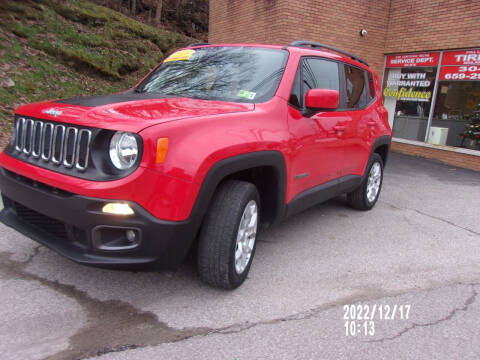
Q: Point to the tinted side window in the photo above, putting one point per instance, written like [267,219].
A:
[319,74]
[371,86]
[313,74]
[355,87]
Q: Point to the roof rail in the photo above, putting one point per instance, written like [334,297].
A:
[319,46]
[197,44]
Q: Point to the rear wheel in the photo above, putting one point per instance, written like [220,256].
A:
[366,195]
[228,236]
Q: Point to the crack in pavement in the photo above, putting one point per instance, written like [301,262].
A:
[116,326]
[432,217]
[112,322]
[305,315]
[238,328]
[35,251]
[451,314]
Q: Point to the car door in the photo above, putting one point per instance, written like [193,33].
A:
[317,136]
[359,123]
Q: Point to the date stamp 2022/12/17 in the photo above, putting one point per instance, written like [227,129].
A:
[360,318]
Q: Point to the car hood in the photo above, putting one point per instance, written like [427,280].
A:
[127,112]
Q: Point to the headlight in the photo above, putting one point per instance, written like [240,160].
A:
[123,150]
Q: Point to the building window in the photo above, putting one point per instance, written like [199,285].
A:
[434,97]
[456,104]
[408,90]
[455,119]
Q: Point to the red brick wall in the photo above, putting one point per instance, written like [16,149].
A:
[392,25]
[232,21]
[449,157]
[417,25]
[336,23]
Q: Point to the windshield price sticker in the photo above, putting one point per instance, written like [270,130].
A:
[359,319]
[250,95]
[464,72]
[180,55]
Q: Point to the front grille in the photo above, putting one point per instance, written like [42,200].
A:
[37,184]
[62,145]
[51,226]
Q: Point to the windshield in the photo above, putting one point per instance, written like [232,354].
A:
[237,74]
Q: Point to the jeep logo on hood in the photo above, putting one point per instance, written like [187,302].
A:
[53,112]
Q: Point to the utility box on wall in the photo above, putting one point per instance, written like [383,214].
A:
[438,135]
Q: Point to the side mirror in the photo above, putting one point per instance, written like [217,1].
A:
[322,99]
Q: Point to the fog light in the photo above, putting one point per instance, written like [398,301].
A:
[115,238]
[118,209]
[131,236]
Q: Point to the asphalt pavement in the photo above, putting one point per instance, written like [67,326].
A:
[400,281]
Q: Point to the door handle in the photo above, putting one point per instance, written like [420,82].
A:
[372,123]
[339,128]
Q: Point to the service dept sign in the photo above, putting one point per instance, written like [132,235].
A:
[413,60]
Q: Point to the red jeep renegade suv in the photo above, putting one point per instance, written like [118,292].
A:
[214,143]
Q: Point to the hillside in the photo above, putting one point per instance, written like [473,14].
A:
[189,17]
[57,49]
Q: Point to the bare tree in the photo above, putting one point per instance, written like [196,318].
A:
[158,13]
[134,7]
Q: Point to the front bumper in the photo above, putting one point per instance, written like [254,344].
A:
[68,223]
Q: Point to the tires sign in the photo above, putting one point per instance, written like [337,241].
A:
[464,57]
[461,65]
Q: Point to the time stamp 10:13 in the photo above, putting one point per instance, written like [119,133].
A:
[360,319]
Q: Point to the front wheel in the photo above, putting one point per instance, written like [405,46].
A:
[366,195]
[228,236]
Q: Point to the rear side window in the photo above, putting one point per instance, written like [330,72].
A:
[313,74]
[371,87]
[355,87]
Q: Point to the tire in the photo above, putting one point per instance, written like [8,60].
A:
[232,205]
[361,198]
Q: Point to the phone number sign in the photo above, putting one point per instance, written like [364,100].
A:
[464,72]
